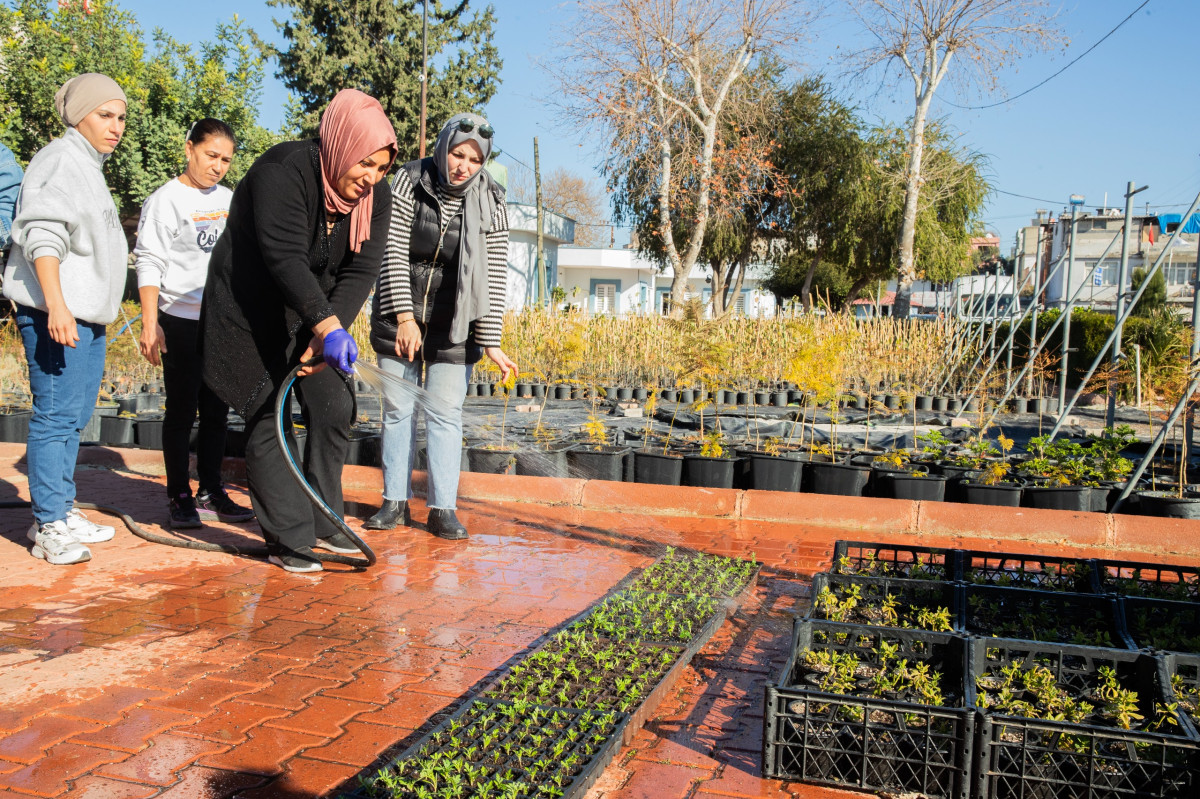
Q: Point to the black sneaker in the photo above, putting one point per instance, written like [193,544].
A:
[217,505]
[183,513]
[301,561]
[339,542]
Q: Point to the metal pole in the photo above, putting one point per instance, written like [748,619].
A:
[541,252]
[1128,311]
[1037,302]
[1014,304]
[1110,415]
[424,74]
[1066,341]
[1189,419]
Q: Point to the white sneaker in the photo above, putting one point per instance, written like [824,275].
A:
[54,543]
[85,530]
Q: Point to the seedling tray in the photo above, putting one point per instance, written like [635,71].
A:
[669,662]
[688,572]
[866,559]
[1150,580]
[1161,624]
[653,617]
[1059,617]
[487,760]
[1030,757]
[864,742]
[910,597]
[1042,572]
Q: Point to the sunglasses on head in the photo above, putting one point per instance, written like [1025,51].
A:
[468,125]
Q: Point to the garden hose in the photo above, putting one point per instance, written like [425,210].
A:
[255,551]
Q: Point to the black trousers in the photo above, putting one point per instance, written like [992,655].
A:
[187,393]
[285,512]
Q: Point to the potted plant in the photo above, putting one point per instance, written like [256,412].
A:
[710,467]
[596,458]
[496,457]
[652,464]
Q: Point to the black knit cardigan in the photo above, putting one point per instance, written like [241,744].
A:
[274,274]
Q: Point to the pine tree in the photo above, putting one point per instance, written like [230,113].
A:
[375,46]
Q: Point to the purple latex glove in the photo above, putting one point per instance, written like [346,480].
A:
[340,350]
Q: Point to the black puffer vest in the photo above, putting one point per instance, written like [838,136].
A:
[433,275]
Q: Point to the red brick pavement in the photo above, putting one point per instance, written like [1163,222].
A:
[162,672]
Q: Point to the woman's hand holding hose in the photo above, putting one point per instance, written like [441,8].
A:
[331,343]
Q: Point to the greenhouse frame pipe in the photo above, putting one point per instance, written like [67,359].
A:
[1158,439]
[1037,302]
[962,339]
[1065,355]
[1110,411]
[1012,332]
[1064,410]
[1040,347]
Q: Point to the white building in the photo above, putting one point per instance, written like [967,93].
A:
[1095,281]
[557,230]
[619,281]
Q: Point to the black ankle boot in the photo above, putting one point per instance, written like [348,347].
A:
[392,513]
[444,524]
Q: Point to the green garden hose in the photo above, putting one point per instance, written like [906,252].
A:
[257,551]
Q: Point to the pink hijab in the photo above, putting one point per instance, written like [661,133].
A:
[353,127]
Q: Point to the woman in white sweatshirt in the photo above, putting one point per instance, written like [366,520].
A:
[180,223]
[66,274]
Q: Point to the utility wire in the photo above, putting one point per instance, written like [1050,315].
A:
[1026,196]
[1056,74]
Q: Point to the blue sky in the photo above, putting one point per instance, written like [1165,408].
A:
[1125,112]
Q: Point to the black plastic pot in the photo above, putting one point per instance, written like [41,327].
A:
[597,462]
[624,394]
[926,488]
[924,402]
[562,392]
[640,394]
[148,433]
[670,395]
[1167,504]
[657,468]
[544,460]
[891,402]
[1006,494]
[779,399]
[703,471]
[940,404]
[775,472]
[1020,405]
[14,425]
[1058,497]
[953,405]
[841,479]
[762,398]
[524,390]
[686,396]
[116,431]
[744,397]
[366,448]
[491,461]
[91,431]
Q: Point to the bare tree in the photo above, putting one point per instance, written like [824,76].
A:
[920,39]
[657,77]
[568,194]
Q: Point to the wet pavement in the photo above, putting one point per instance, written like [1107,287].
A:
[154,671]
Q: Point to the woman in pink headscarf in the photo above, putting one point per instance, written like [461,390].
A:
[302,248]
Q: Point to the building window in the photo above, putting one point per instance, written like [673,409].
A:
[739,304]
[606,298]
[1179,274]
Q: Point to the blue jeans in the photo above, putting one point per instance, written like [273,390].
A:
[447,382]
[64,383]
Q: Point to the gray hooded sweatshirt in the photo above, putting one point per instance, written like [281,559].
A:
[65,210]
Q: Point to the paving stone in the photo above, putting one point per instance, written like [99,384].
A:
[202,783]
[305,779]
[373,685]
[264,752]
[133,732]
[103,788]
[230,721]
[158,763]
[50,774]
[29,744]
[324,715]
[337,666]
[359,745]
[112,704]
[201,696]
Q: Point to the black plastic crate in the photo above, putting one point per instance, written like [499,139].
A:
[1182,672]
[1042,572]
[1021,756]
[867,742]
[488,759]
[920,604]
[1058,617]
[873,559]
[1161,624]
[1150,580]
